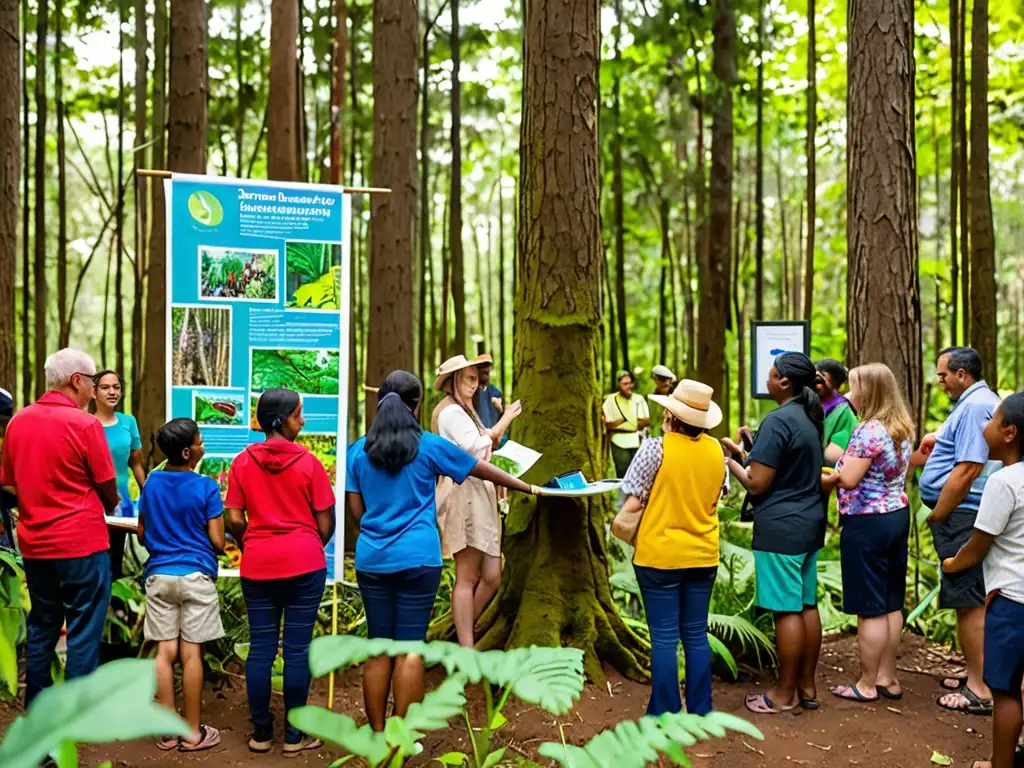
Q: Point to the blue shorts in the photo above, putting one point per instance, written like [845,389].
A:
[398,605]
[1004,646]
[785,583]
[873,550]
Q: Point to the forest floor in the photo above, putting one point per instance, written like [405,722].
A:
[900,734]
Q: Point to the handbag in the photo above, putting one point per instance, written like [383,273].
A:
[626,525]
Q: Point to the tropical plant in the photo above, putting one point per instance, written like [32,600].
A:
[224,411]
[13,613]
[636,744]
[309,371]
[313,272]
[127,613]
[114,703]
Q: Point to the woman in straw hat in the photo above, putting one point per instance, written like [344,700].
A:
[467,514]
[676,481]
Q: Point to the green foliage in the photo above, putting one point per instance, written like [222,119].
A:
[114,703]
[207,411]
[636,744]
[308,371]
[13,613]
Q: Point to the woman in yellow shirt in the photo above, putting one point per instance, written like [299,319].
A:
[677,480]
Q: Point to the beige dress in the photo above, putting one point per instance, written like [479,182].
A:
[467,514]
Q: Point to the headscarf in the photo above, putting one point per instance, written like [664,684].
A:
[274,407]
[798,368]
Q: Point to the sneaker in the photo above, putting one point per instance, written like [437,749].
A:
[262,739]
[307,743]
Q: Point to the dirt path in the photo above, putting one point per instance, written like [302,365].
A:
[840,734]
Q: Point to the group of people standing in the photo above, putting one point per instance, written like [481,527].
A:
[860,445]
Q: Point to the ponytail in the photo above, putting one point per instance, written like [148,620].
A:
[798,368]
[393,439]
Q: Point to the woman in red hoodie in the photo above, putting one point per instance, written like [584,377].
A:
[280,506]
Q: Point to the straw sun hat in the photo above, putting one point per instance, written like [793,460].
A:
[453,364]
[691,403]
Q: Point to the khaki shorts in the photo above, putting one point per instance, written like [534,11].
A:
[185,607]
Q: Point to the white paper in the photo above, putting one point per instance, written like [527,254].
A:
[771,341]
[591,489]
[518,454]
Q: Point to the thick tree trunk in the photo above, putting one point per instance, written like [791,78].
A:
[63,330]
[458,276]
[503,364]
[618,192]
[883,303]
[141,202]
[812,128]
[282,105]
[396,47]
[39,260]
[716,271]
[759,172]
[984,334]
[555,586]
[10,164]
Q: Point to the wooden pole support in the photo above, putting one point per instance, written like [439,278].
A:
[159,174]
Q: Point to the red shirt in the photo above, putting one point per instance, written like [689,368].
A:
[279,484]
[55,456]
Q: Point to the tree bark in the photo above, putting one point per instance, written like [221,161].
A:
[458,278]
[963,176]
[555,586]
[396,47]
[240,109]
[141,208]
[63,330]
[424,219]
[954,169]
[119,333]
[664,288]
[618,193]
[984,333]
[10,165]
[716,271]
[784,273]
[503,364]
[759,172]
[26,215]
[883,302]
[812,128]
[282,104]
[39,260]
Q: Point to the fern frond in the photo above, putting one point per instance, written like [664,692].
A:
[741,629]
[636,744]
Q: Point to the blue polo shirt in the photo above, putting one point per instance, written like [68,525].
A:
[961,439]
[489,415]
[398,530]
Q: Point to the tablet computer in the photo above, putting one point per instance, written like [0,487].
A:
[570,481]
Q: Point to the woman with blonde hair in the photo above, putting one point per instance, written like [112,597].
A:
[875,515]
[467,514]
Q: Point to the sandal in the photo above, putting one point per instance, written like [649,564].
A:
[209,737]
[953,682]
[308,742]
[857,695]
[760,704]
[975,704]
[810,704]
[886,691]
[168,744]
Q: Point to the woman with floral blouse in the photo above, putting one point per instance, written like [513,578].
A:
[875,515]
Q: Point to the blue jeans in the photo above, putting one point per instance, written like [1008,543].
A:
[398,605]
[298,598]
[74,590]
[676,603]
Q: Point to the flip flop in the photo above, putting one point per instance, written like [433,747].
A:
[167,745]
[886,691]
[760,704]
[209,737]
[975,704]
[810,704]
[960,682]
[857,695]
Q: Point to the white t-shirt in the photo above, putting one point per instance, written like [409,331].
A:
[1001,514]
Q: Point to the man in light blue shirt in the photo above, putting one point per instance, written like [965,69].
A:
[951,485]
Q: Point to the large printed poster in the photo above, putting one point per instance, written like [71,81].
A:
[257,281]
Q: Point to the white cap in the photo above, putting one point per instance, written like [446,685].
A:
[663,373]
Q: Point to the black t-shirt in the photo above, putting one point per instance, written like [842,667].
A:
[789,518]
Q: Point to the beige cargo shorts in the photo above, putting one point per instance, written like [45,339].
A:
[185,607]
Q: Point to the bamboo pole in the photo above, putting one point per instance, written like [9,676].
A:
[160,174]
[334,633]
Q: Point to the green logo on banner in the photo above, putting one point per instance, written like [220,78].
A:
[205,208]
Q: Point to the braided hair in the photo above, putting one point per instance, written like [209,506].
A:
[798,368]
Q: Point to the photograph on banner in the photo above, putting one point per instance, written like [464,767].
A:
[257,280]
[768,340]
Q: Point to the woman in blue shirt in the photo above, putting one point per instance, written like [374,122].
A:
[125,444]
[390,484]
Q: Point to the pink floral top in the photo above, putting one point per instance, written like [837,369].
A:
[883,488]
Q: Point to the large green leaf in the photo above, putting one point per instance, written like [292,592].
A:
[550,677]
[634,744]
[114,703]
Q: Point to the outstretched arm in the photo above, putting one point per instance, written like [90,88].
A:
[486,471]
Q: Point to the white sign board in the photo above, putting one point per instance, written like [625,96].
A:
[768,340]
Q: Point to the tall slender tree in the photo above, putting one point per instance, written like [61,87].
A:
[555,584]
[119,333]
[282,105]
[984,333]
[63,331]
[759,172]
[458,276]
[960,78]
[618,193]
[954,168]
[396,51]
[39,259]
[26,215]
[883,301]
[141,157]
[812,165]
[10,164]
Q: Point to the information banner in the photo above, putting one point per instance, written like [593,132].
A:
[258,297]
[768,340]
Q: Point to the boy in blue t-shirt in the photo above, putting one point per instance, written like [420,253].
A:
[181,523]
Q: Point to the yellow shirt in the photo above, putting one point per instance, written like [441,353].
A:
[680,524]
[632,410]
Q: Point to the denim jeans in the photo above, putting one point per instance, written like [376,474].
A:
[75,590]
[298,598]
[398,605]
[676,603]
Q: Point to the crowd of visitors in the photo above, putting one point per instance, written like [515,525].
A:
[421,497]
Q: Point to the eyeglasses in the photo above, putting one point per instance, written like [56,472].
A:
[84,375]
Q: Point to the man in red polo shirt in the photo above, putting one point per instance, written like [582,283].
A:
[56,459]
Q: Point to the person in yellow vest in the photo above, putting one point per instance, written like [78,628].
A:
[677,480]
[625,415]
